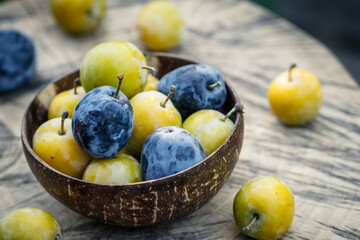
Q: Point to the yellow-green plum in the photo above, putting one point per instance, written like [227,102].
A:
[122,169]
[66,101]
[210,127]
[160,25]
[152,83]
[295,96]
[78,16]
[152,110]
[108,59]
[54,143]
[30,224]
[264,208]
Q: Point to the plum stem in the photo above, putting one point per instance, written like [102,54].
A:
[237,108]
[214,85]
[76,84]
[63,117]
[120,77]
[253,220]
[291,68]
[152,70]
[172,90]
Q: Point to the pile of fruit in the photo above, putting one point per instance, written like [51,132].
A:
[111,131]
[120,124]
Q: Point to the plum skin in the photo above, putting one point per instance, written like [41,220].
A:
[107,59]
[65,101]
[30,223]
[102,124]
[169,150]
[60,151]
[192,88]
[17,59]
[150,115]
[272,200]
[122,169]
[207,126]
[160,25]
[78,17]
[298,101]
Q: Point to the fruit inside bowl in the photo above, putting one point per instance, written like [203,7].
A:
[144,203]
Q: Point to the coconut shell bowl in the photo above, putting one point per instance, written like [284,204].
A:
[145,203]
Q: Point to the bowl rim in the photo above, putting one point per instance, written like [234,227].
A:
[237,124]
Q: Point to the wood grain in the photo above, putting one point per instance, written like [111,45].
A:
[250,46]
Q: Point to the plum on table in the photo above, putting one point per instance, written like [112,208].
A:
[295,96]
[160,24]
[17,59]
[30,224]
[78,16]
[264,208]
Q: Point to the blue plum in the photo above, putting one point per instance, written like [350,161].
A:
[102,124]
[197,87]
[17,59]
[169,150]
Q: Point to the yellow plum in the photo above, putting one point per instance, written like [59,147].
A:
[264,208]
[295,96]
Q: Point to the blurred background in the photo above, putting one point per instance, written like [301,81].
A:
[333,22]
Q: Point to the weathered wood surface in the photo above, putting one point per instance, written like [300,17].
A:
[320,161]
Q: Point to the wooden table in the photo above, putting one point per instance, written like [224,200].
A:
[319,161]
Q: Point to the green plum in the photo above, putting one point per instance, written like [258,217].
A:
[78,16]
[264,208]
[210,127]
[30,224]
[121,169]
[152,110]
[108,59]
